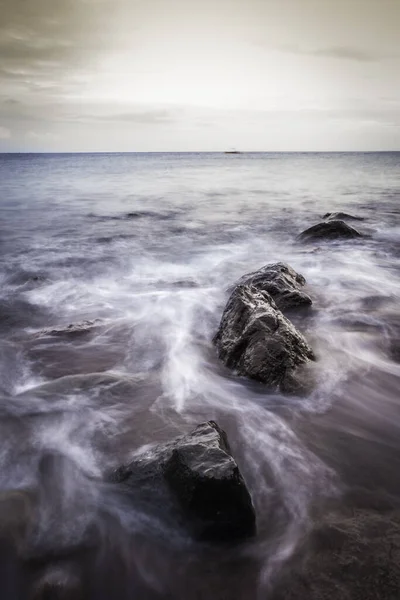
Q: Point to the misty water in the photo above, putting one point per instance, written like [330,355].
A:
[145,247]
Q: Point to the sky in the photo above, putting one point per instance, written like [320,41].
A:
[199,75]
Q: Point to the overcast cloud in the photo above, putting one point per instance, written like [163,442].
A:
[150,75]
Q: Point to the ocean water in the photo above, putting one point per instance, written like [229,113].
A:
[145,247]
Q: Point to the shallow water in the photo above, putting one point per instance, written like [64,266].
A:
[148,244]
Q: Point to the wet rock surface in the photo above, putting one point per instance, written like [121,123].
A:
[282,282]
[204,480]
[256,340]
[329,230]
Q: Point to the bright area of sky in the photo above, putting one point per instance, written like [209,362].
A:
[199,75]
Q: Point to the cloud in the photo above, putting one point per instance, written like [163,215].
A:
[345,53]
[380,116]
[95,72]
[44,43]
[53,112]
[42,137]
[145,116]
[5,133]
[340,52]
[10,102]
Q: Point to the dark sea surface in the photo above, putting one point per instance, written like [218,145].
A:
[144,247]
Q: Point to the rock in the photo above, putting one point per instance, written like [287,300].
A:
[282,282]
[139,214]
[342,216]
[58,582]
[329,230]
[204,480]
[186,283]
[256,340]
[70,331]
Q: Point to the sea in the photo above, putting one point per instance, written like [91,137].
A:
[115,270]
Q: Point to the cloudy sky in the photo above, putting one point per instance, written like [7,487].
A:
[155,75]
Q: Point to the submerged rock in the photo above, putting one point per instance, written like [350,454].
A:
[329,230]
[70,331]
[282,282]
[58,582]
[17,511]
[342,216]
[258,341]
[139,214]
[204,479]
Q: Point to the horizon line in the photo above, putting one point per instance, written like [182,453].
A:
[198,152]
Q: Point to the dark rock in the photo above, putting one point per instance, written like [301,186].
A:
[342,216]
[282,282]
[258,341]
[139,214]
[204,479]
[329,230]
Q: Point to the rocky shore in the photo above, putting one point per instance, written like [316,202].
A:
[193,482]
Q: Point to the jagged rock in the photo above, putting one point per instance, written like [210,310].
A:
[256,340]
[329,230]
[342,216]
[204,480]
[282,282]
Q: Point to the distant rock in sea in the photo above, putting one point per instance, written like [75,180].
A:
[329,230]
[342,216]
